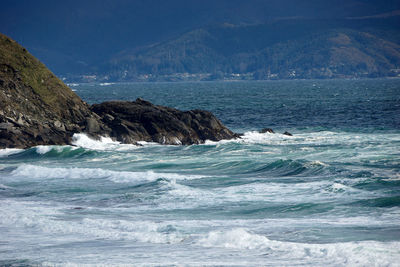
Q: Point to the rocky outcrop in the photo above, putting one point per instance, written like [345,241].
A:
[142,121]
[36,108]
[287,133]
[267,130]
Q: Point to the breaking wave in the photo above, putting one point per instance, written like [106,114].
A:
[27,171]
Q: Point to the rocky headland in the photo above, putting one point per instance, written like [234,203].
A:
[141,120]
[36,108]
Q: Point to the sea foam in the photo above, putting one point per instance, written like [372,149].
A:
[84,141]
[106,84]
[9,151]
[46,149]
[310,138]
[235,239]
[105,143]
[41,172]
[42,219]
[366,253]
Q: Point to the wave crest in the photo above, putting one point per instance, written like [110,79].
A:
[40,172]
[363,253]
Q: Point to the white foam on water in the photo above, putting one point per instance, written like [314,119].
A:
[106,84]
[388,220]
[105,143]
[4,187]
[180,196]
[9,151]
[40,172]
[43,149]
[316,163]
[253,137]
[145,143]
[339,187]
[312,138]
[45,223]
[394,177]
[186,194]
[236,239]
[46,149]
[290,192]
[318,191]
[365,253]
[84,141]
[140,231]
[43,219]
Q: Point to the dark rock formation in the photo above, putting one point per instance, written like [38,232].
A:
[267,130]
[142,121]
[36,108]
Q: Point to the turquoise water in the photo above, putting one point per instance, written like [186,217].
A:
[329,195]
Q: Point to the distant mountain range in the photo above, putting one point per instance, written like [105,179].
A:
[293,48]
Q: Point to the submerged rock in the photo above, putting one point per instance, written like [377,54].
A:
[267,130]
[140,120]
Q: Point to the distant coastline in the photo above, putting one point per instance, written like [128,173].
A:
[76,80]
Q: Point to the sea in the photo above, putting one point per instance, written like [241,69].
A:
[329,195]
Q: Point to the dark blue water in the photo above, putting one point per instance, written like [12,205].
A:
[359,105]
[327,196]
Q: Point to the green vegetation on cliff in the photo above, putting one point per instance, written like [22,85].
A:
[34,74]
[35,106]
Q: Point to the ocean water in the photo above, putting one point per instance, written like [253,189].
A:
[327,196]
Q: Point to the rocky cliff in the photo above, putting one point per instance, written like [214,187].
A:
[36,108]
